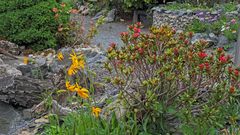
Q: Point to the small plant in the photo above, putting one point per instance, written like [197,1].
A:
[164,78]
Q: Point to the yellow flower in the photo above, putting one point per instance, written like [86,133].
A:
[60,56]
[25,60]
[82,92]
[73,56]
[77,63]
[96,111]
[70,87]
[72,70]
[81,64]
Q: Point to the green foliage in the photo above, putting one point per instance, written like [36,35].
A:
[30,23]
[197,26]
[83,123]
[186,6]
[223,26]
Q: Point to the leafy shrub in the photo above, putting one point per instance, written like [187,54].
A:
[167,81]
[30,23]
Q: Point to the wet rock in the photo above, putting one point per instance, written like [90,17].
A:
[22,91]
[27,114]
[111,16]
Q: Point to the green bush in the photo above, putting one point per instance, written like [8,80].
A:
[28,23]
[170,82]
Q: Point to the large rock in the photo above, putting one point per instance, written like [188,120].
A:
[222,41]
[210,38]
[7,70]
[111,15]
[1,61]
[10,47]
[22,91]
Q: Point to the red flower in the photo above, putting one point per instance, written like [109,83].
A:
[186,42]
[220,50]
[136,35]
[136,30]
[124,33]
[113,45]
[232,89]
[175,50]
[201,66]
[140,51]
[236,72]
[190,34]
[139,24]
[207,65]
[223,59]
[202,55]
[181,37]
[130,27]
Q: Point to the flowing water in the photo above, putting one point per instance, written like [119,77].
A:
[8,118]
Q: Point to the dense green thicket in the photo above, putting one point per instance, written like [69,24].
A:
[29,23]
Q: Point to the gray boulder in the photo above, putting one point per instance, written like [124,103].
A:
[7,70]
[1,61]
[22,91]
[210,38]
[222,41]
[10,47]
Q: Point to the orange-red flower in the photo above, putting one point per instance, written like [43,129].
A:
[55,10]
[74,11]
[223,59]
[202,55]
[236,72]
[201,66]
[136,35]
[232,89]
[63,4]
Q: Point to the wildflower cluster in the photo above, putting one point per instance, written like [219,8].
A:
[77,64]
[160,70]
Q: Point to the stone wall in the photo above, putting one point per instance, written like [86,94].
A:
[179,19]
